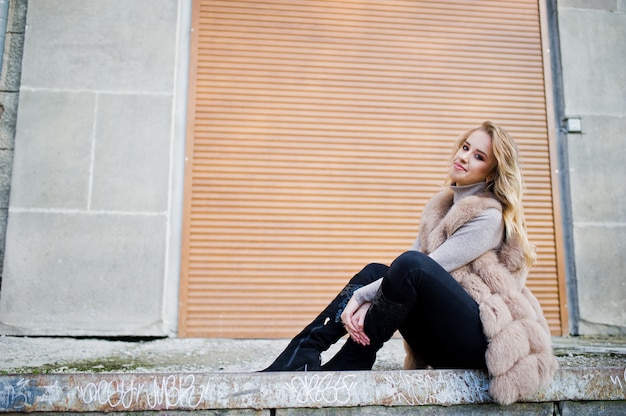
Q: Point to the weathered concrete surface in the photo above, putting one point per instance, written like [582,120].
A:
[43,355]
[519,409]
[203,375]
[131,392]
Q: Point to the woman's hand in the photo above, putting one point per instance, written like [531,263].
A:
[353,318]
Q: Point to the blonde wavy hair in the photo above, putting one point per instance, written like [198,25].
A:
[507,184]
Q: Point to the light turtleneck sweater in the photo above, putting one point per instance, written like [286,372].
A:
[476,237]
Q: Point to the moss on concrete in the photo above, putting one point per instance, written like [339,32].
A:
[111,364]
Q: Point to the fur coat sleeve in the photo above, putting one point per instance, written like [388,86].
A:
[519,353]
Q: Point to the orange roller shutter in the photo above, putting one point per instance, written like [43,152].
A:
[317,131]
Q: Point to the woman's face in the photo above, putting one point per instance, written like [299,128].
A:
[474,161]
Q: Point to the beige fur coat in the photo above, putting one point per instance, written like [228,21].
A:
[519,354]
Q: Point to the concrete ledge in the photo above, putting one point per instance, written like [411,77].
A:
[132,392]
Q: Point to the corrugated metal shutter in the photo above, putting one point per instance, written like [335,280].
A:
[318,130]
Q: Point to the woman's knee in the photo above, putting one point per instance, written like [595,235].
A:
[407,263]
[410,271]
[370,273]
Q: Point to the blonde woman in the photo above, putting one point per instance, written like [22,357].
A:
[458,297]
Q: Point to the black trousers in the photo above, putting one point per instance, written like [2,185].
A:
[443,326]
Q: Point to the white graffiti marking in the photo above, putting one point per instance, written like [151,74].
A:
[326,389]
[424,388]
[618,380]
[169,391]
[52,393]
[176,391]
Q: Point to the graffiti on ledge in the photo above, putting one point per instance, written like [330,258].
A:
[421,388]
[124,392]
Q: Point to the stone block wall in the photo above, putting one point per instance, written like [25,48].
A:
[593,53]
[90,227]
[10,75]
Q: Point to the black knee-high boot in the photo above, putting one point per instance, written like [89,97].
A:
[304,351]
[383,318]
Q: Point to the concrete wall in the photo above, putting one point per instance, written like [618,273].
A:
[593,53]
[93,232]
[9,94]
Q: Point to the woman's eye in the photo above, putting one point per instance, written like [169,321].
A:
[479,157]
[465,147]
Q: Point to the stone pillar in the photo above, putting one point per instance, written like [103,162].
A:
[90,209]
[593,52]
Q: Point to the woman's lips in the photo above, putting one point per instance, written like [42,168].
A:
[459,167]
